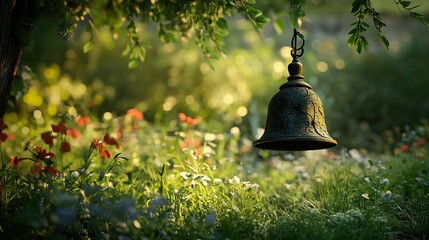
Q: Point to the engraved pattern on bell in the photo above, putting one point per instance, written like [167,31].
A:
[298,112]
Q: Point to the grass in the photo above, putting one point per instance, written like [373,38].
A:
[183,181]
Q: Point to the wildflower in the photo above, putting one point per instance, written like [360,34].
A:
[52,171]
[97,144]
[386,196]
[65,147]
[3,137]
[188,120]
[110,140]
[15,162]
[74,133]
[59,128]
[83,120]
[419,142]
[3,126]
[47,138]
[189,143]
[11,136]
[42,154]
[365,195]
[404,148]
[134,114]
[384,181]
[75,174]
[105,154]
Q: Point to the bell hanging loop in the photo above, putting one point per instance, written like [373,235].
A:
[297,52]
[295,119]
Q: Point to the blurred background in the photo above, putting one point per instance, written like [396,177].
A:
[368,98]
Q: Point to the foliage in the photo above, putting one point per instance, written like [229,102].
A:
[184,181]
[206,22]
[362,9]
[203,21]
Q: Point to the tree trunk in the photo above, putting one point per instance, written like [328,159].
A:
[10,48]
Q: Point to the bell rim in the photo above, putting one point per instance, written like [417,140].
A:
[322,143]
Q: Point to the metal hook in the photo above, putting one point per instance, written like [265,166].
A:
[297,52]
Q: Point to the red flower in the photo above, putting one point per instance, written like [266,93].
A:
[419,142]
[48,138]
[52,171]
[15,162]
[134,114]
[65,147]
[3,126]
[105,154]
[182,117]
[3,136]
[83,120]
[97,144]
[59,128]
[74,133]
[110,140]
[42,154]
[188,120]
[11,136]
[404,148]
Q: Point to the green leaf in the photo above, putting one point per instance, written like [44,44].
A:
[222,23]
[351,41]
[385,41]
[358,46]
[420,18]
[87,47]
[133,63]
[353,31]
[405,3]
[262,20]
[355,6]
[365,25]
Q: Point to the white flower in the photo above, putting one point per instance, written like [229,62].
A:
[365,195]
[384,181]
[75,174]
[386,196]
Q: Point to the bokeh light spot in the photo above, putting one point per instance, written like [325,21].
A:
[322,66]
[340,64]
[242,111]
[37,114]
[107,116]
[279,67]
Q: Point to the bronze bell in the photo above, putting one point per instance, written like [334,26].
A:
[295,119]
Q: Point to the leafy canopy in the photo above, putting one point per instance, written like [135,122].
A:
[203,21]
[364,9]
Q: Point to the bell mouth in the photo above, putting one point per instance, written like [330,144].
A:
[295,143]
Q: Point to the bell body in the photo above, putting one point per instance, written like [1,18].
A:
[295,119]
